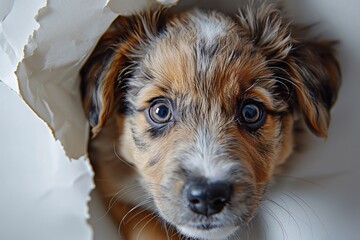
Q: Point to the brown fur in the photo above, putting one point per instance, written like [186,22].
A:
[207,73]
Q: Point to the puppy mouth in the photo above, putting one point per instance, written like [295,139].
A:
[207,231]
[207,226]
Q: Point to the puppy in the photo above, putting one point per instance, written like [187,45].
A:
[191,113]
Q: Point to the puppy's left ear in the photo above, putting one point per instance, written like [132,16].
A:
[308,68]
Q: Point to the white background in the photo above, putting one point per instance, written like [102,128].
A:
[318,192]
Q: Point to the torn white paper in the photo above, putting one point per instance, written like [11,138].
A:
[48,74]
[17,23]
[43,194]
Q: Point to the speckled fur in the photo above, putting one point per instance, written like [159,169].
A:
[208,64]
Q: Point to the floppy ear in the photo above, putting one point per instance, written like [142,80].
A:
[316,73]
[308,68]
[112,62]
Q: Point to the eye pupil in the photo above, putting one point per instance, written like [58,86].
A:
[162,111]
[251,113]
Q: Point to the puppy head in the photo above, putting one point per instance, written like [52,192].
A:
[207,103]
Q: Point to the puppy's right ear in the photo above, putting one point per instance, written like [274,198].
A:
[307,67]
[112,62]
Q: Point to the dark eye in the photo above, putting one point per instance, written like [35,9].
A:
[253,115]
[160,111]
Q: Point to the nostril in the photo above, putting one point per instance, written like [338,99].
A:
[195,201]
[196,197]
[219,196]
[219,202]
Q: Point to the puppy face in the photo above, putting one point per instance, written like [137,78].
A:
[207,105]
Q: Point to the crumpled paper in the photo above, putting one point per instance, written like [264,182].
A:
[45,43]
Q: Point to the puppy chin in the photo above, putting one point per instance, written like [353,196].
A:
[208,234]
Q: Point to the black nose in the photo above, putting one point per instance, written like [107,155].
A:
[207,198]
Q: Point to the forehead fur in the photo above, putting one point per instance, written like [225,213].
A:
[202,54]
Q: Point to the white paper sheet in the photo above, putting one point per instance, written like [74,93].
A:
[43,193]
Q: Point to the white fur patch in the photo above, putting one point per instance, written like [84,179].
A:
[209,27]
[208,158]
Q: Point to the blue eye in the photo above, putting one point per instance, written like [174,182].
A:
[253,115]
[160,112]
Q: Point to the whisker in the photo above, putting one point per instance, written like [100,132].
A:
[299,179]
[114,199]
[132,209]
[145,226]
[273,215]
[302,207]
[137,214]
[123,191]
[289,213]
[135,187]
[117,155]
[165,230]
[145,217]
[315,213]
[261,218]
